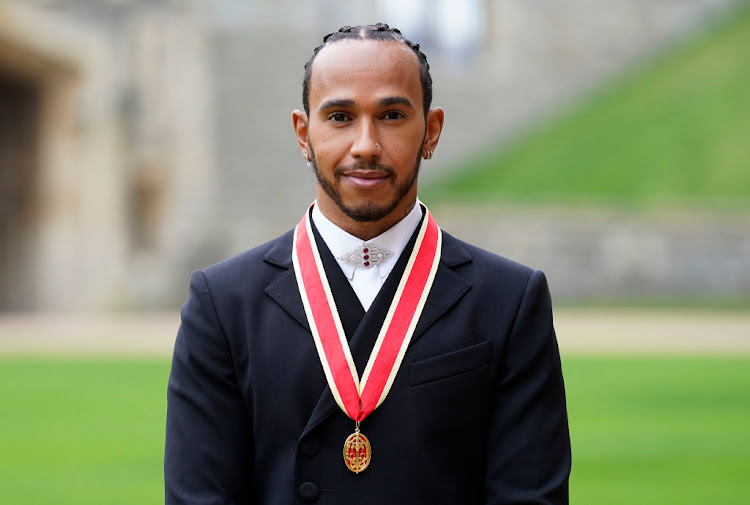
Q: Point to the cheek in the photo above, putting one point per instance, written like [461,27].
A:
[327,140]
[409,146]
[411,137]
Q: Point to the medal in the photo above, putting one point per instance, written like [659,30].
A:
[359,398]
[357,451]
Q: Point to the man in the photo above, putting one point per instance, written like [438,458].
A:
[367,357]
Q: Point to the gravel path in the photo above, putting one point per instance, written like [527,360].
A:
[579,331]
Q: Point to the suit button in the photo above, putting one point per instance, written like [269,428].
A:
[310,446]
[309,492]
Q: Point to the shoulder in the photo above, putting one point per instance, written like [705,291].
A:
[483,267]
[494,281]
[264,261]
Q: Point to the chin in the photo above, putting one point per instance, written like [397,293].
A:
[369,211]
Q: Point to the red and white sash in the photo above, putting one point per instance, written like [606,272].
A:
[359,398]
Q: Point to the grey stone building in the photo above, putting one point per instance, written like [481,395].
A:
[142,139]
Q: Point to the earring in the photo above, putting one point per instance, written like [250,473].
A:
[306,155]
[428,154]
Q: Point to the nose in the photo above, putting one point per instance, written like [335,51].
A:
[366,145]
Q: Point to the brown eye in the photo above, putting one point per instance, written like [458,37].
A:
[393,115]
[337,117]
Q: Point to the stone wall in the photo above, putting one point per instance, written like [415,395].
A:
[124,178]
[595,255]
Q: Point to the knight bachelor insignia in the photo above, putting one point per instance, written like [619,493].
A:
[357,452]
[358,398]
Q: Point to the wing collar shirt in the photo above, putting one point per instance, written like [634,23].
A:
[367,281]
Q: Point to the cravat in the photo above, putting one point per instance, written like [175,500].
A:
[366,284]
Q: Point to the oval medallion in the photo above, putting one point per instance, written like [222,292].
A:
[357,452]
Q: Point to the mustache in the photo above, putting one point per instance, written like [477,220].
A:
[370,166]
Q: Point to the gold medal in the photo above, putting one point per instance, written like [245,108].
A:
[357,451]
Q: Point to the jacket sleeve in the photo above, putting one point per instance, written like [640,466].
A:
[529,458]
[208,450]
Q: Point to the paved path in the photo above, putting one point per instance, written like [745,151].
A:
[579,331]
[652,331]
[84,334]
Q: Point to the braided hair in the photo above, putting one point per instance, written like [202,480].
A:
[378,31]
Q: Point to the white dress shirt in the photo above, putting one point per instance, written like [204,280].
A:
[367,281]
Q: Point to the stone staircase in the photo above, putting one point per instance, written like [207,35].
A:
[538,55]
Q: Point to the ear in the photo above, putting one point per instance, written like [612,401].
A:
[434,126]
[299,122]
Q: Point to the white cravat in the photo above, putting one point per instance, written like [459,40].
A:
[366,282]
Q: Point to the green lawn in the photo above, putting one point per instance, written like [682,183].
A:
[673,131]
[659,431]
[644,430]
[82,432]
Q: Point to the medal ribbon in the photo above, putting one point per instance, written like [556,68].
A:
[358,399]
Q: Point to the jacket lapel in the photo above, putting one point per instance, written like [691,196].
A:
[283,290]
[448,286]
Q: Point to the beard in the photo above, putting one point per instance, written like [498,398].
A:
[366,211]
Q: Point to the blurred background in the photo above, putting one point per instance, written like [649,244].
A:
[604,142]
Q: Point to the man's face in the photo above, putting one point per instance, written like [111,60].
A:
[366,128]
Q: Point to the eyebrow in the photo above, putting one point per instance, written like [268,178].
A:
[395,100]
[346,103]
[343,103]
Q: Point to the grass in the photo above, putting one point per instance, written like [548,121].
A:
[659,430]
[82,431]
[674,131]
[644,430]
[699,302]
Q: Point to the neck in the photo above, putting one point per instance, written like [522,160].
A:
[365,230]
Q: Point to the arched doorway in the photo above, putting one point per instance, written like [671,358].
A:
[20,103]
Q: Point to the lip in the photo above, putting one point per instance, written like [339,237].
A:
[367,179]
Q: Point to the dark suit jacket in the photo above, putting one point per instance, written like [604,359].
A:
[476,414]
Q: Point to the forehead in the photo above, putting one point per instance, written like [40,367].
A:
[364,69]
